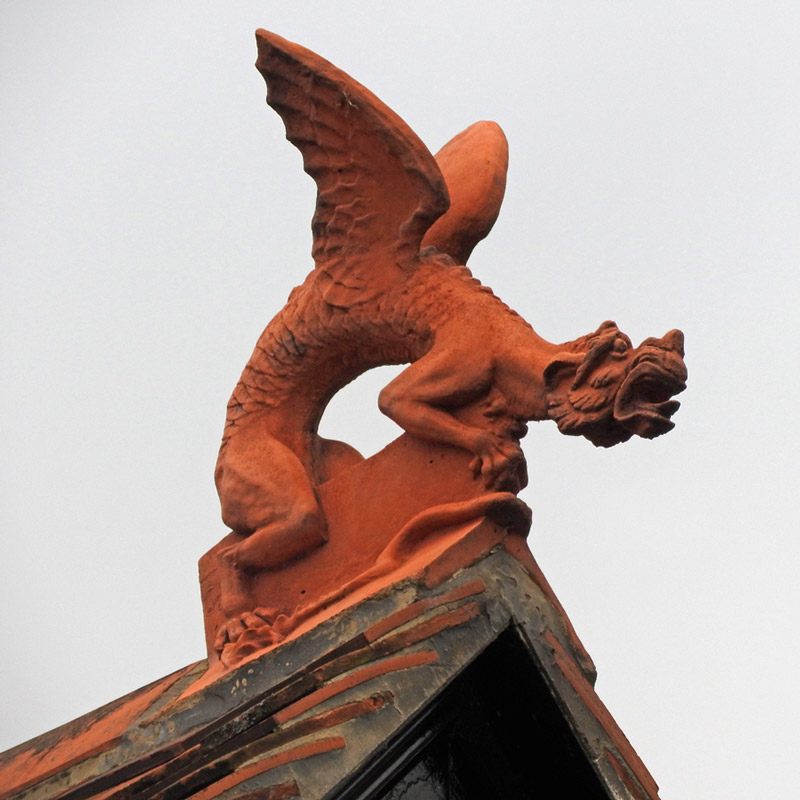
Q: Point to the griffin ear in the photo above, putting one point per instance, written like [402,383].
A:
[474,165]
[565,381]
[561,370]
[559,375]
[578,409]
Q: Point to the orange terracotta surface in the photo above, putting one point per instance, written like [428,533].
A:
[311,521]
[78,740]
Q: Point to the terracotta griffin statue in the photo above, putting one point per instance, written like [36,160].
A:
[393,229]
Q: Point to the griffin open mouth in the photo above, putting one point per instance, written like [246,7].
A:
[643,404]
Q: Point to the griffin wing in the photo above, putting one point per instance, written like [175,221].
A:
[379,188]
[474,164]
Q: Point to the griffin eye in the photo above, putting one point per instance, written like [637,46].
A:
[620,346]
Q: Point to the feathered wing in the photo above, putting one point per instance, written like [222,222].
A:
[379,189]
[474,164]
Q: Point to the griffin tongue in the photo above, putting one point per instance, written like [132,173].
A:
[668,408]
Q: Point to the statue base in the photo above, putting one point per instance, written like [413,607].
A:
[389,517]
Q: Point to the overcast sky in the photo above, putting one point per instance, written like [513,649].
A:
[154,220]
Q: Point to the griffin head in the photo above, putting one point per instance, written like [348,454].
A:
[607,390]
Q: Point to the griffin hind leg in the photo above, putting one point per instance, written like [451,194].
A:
[268,500]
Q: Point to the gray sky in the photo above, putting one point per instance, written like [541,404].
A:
[155,219]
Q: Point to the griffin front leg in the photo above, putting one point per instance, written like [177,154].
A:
[424,397]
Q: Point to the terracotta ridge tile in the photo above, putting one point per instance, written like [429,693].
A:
[429,628]
[418,608]
[355,678]
[265,712]
[302,751]
[197,775]
[401,640]
[128,710]
[572,672]
[279,791]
